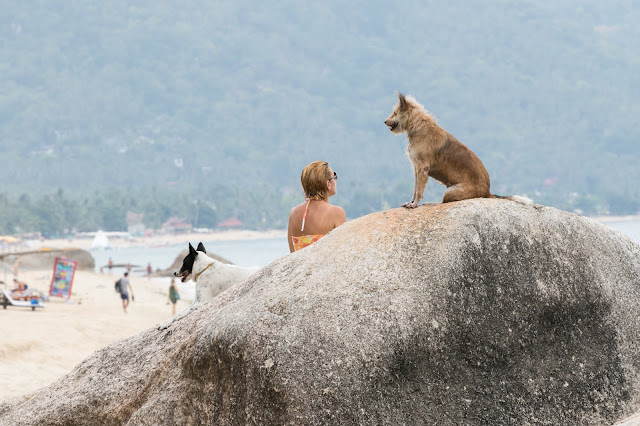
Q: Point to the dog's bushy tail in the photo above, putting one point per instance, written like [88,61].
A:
[517,198]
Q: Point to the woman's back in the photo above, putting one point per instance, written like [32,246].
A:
[314,218]
[321,218]
[311,220]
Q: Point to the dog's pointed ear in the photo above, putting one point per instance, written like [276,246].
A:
[402,100]
[191,249]
[201,248]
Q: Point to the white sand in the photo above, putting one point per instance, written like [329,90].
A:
[38,347]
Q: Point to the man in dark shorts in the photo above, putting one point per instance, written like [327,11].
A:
[125,288]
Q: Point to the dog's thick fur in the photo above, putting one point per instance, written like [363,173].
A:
[211,277]
[434,152]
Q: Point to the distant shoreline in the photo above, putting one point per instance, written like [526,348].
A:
[230,235]
[166,239]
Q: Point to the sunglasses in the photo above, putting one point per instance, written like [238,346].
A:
[335,176]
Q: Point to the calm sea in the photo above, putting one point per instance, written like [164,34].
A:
[630,227]
[244,252]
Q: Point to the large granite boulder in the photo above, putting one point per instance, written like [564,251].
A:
[478,312]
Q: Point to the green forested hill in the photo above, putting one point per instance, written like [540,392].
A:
[226,102]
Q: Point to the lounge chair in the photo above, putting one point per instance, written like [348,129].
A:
[7,300]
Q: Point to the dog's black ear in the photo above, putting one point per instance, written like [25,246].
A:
[402,100]
[201,248]
[191,249]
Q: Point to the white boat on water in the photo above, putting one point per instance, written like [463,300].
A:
[100,241]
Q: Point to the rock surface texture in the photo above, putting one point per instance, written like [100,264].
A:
[477,312]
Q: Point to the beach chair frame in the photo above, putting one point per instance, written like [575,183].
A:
[7,300]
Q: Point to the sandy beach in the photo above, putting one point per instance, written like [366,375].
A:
[39,347]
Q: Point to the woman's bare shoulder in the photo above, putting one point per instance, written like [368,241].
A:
[338,212]
[297,208]
[336,208]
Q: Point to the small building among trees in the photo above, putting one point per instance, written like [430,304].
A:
[231,223]
[135,226]
[176,225]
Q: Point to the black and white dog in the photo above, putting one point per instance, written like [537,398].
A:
[211,276]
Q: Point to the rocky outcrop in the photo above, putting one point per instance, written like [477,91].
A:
[45,259]
[477,312]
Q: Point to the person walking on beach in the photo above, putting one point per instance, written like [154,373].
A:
[16,268]
[173,296]
[319,182]
[149,270]
[125,288]
[110,266]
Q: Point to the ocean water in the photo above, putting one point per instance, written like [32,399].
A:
[242,252]
[629,227]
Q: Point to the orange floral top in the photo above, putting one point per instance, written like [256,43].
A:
[304,240]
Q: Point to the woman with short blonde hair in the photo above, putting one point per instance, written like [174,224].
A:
[319,182]
[313,180]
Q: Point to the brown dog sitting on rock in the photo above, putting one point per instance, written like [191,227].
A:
[434,152]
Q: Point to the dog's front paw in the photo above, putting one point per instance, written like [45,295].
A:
[411,205]
[166,324]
